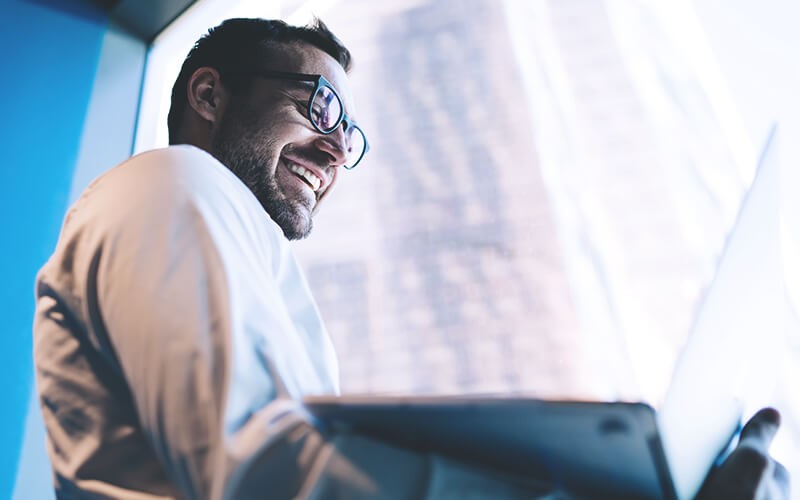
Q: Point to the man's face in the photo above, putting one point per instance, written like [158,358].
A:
[267,140]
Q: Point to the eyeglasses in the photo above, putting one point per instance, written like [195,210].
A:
[326,112]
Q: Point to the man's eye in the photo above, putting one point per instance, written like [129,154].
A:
[319,113]
[301,106]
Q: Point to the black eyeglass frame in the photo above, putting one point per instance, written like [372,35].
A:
[319,82]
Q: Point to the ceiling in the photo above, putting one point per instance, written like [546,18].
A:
[144,18]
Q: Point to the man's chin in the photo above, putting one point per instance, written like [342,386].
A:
[296,224]
[296,233]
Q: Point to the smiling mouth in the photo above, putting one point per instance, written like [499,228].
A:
[304,174]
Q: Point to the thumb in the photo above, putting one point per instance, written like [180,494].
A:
[760,430]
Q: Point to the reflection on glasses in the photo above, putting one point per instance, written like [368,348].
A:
[326,112]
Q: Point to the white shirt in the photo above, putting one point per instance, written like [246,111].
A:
[170,289]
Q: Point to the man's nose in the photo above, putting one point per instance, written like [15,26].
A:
[335,144]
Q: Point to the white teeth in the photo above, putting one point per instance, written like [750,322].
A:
[306,174]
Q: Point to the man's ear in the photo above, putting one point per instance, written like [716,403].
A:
[206,93]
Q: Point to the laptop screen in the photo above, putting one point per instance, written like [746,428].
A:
[728,363]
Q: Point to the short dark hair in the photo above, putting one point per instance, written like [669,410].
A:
[237,44]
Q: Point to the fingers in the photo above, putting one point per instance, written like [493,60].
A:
[749,472]
[743,472]
[760,430]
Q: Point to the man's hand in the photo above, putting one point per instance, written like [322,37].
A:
[749,472]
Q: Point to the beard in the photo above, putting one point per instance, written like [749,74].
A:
[240,146]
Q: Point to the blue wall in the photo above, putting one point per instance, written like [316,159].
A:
[50,56]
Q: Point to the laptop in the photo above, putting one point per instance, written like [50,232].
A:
[621,449]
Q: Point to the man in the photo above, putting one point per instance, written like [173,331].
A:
[174,331]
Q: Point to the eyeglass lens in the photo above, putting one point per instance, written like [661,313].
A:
[356,144]
[326,111]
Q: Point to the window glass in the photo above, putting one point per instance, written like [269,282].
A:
[548,189]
